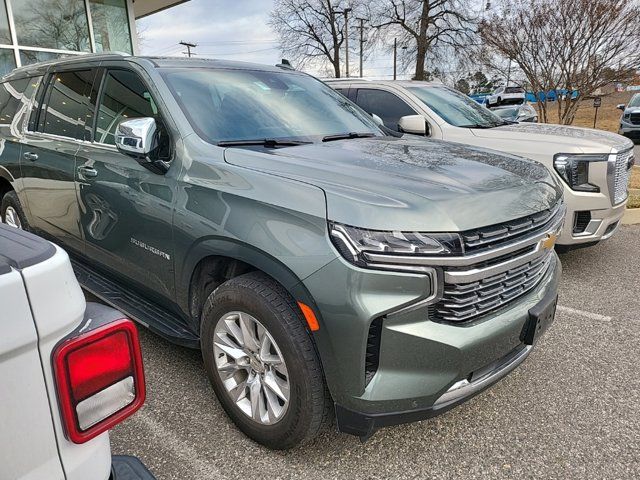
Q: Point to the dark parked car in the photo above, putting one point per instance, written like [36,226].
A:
[257,214]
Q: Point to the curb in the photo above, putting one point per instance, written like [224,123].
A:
[631,216]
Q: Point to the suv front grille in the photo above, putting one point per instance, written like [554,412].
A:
[495,235]
[621,176]
[635,118]
[463,302]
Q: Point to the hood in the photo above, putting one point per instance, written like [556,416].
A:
[586,139]
[389,183]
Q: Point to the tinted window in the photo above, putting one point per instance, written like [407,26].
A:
[384,104]
[14,101]
[252,104]
[514,90]
[124,96]
[67,103]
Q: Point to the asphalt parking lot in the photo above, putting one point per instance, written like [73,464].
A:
[572,410]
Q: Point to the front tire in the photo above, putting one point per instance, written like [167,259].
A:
[11,211]
[262,363]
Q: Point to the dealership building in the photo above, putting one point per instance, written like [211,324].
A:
[37,30]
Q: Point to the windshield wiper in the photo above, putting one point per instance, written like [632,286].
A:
[346,136]
[265,142]
[485,125]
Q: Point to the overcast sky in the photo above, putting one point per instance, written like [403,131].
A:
[229,29]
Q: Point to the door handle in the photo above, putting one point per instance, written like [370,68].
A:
[88,171]
[30,156]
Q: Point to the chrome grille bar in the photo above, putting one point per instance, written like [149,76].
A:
[464,302]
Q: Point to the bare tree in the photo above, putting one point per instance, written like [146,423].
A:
[577,45]
[310,30]
[424,26]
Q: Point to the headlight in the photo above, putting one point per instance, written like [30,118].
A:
[354,244]
[574,170]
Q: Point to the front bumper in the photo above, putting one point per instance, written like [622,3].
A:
[630,130]
[604,218]
[419,359]
[124,467]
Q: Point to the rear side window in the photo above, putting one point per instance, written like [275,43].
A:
[67,104]
[386,105]
[14,101]
[124,96]
[514,90]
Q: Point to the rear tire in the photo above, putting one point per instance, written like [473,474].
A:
[258,303]
[11,211]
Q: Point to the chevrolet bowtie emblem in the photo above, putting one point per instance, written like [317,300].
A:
[549,242]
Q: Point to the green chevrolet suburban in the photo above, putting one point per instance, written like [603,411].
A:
[325,268]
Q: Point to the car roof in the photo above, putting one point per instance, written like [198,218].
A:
[401,83]
[161,62]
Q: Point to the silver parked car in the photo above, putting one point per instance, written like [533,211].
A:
[517,113]
[630,120]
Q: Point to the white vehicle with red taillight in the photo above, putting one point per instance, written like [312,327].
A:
[69,370]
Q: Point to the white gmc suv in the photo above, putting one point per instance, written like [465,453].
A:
[69,371]
[593,165]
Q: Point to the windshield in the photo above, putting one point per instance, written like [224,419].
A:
[456,108]
[231,105]
[635,101]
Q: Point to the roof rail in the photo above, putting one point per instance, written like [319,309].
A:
[70,56]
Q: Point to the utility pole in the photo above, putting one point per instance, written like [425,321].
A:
[361,27]
[508,74]
[395,57]
[189,47]
[345,12]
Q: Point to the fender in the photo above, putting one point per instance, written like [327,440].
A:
[236,250]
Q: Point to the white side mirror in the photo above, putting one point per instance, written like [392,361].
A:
[622,106]
[377,119]
[415,124]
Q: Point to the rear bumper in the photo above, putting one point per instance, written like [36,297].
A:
[124,467]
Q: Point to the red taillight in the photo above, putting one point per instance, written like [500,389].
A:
[100,379]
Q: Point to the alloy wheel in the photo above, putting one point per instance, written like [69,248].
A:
[11,218]
[251,367]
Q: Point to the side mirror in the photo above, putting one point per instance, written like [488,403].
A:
[622,107]
[415,124]
[377,119]
[138,138]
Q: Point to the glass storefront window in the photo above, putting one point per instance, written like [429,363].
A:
[7,61]
[61,24]
[5,35]
[28,57]
[110,25]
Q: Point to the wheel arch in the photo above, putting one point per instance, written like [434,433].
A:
[6,181]
[213,261]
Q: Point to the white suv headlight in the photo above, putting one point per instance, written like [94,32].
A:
[574,170]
